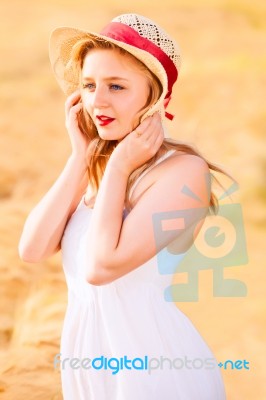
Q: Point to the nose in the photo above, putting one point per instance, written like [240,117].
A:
[100,97]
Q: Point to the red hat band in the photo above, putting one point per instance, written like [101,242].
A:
[126,34]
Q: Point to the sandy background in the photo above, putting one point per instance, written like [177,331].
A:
[219,105]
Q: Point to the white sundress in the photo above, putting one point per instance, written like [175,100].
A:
[123,340]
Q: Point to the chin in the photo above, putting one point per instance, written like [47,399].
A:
[105,135]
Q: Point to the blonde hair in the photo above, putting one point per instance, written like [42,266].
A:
[99,150]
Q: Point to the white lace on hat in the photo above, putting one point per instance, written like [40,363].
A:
[147,28]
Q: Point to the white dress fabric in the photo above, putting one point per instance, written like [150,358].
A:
[128,317]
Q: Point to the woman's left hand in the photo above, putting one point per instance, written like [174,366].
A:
[139,146]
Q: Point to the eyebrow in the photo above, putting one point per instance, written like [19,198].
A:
[111,78]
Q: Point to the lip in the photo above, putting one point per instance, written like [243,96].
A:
[104,120]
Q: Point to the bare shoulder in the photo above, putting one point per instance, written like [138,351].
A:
[180,157]
[173,173]
[184,167]
[183,170]
[177,163]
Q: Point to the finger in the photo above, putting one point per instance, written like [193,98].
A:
[158,141]
[147,127]
[75,109]
[154,143]
[157,134]
[143,126]
[72,116]
[72,100]
[75,94]
[154,120]
[155,128]
[143,130]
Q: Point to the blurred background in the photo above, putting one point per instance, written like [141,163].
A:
[219,106]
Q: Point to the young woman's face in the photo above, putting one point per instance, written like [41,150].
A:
[114,90]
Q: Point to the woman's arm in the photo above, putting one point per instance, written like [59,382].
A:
[116,247]
[45,225]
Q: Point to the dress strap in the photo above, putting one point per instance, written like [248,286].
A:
[160,159]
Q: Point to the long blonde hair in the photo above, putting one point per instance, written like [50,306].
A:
[99,150]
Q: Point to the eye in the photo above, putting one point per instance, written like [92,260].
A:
[116,87]
[89,86]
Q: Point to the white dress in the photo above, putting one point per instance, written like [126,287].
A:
[123,340]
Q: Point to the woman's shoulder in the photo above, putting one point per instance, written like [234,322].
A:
[179,159]
[172,166]
[173,161]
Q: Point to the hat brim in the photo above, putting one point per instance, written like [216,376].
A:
[60,46]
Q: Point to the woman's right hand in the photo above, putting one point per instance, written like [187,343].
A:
[79,141]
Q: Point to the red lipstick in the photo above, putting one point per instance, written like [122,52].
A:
[104,120]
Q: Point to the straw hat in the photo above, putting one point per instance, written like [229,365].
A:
[138,35]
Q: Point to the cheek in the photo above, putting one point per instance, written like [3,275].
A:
[85,100]
[143,97]
[137,102]
[87,104]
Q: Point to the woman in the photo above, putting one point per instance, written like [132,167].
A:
[121,339]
